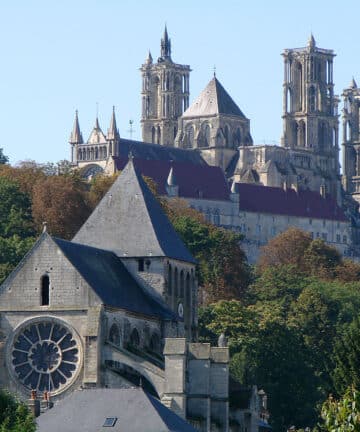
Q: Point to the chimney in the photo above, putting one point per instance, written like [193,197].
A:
[46,402]
[34,404]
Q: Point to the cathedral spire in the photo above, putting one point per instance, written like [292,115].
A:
[149,59]
[353,84]
[165,46]
[76,136]
[113,132]
[311,42]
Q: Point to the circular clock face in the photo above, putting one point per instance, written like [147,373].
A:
[180,310]
[45,355]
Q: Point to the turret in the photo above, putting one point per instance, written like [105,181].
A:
[75,138]
[165,48]
[113,136]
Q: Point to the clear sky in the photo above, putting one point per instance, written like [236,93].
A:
[63,55]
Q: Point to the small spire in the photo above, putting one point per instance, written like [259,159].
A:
[311,42]
[353,84]
[214,71]
[75,136]
[171,180]
[97,126]
[113,132]
[44,227]
[165,46]
[149,59]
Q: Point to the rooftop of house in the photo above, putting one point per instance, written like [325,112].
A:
[111,281]
[289,202]
[130,222]
[116,410]
[213,100]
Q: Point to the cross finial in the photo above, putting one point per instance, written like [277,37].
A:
[214,71]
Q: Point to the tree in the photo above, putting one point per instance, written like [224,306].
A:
[346,357]
[287,248]
[342,415]
[14,415]
[321,259]
[60,201]
[223,269]
[99,185]
[3,159]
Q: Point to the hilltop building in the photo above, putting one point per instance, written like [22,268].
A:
[259,190]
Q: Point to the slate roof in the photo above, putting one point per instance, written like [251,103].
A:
[193,180]
[142,150]
[111,280]
[87,410]
[214,99]
[265,199]
[130,222]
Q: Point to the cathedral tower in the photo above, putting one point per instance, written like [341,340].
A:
[310,112]
[165,95]
[351,140]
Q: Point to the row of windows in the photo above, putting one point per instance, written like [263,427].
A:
[135,340]
[92,153]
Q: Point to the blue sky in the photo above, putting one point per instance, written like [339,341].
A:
[58,56]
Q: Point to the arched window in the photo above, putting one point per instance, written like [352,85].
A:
[322,134]
[158,135]
[312,99]
[135,338]
[96,153]
[153,135]
[104,153]
[207,135]
[176,283]
[227,136]
[187,292]
[347,131]
[182,283]
[288,100]
[216,217]
[237,138]
[190,136]
[114,335]
[155,343]
[169,280]
[301,134]
[45,290]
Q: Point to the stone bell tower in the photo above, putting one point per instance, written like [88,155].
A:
[351,140]
[310,113]
[165,95]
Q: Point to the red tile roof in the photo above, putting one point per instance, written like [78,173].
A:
[194,181]
[265,199]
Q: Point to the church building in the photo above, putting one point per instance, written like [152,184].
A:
[234,183]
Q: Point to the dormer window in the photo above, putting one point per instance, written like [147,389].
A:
[45,291]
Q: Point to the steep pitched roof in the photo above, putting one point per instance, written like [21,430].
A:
[213,100]
[193,181]
[266,199]
[111,281]
[97,135]
[134,410]
[142,150]
[130,222]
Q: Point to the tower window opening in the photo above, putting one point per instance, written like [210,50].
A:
[312,99]
[153,135]
[45,290]
[288,100]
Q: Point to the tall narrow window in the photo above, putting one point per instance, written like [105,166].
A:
[312,99]
[45,290]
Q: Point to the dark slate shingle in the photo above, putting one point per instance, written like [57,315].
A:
[111,280]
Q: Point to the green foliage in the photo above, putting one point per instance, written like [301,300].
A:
[222,267]
[3,159]
[346,358]
[342,415]
[14,415]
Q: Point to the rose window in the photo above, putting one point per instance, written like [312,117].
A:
[45,356]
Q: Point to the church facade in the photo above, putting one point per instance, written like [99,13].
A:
[213,132]
[116,307]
